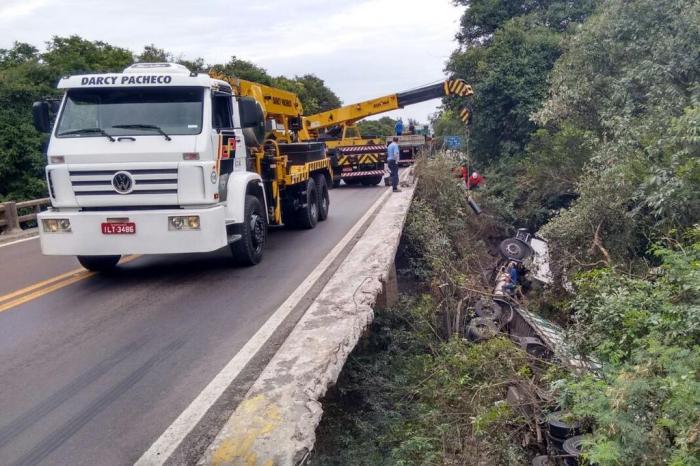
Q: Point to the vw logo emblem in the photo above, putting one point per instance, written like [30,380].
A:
[123,183]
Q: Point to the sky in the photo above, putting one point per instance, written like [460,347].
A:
[362,49]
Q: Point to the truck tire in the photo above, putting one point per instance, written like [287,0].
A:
[248,250]
[514,249]
[481,328]
[351,181]
[560,428]
[488,308]
[307,217]
[99,263]
[573,447]
[324,200]
[371,180]
[336,183]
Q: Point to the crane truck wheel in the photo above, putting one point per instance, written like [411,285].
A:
[324,200]
[249,249]
[372,180]
[307,216]
[99,263]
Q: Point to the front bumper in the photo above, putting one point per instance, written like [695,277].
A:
[151,237]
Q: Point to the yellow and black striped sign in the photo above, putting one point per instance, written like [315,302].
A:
[465,115]
[458,87]
[368,158]
[359,159]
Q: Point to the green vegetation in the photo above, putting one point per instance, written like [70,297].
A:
[417,392]
[381,127]
[586,121]
[27,75]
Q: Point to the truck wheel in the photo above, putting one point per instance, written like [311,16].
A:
[488,308]
[99,263]
[307,217]
[324,200]
[371,180]
[351,181]
[248,250]
[512,248]
[481,328]
[336,183]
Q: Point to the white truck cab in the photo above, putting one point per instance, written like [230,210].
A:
[148,161]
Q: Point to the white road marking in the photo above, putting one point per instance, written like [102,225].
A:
[174,435]
[19,241]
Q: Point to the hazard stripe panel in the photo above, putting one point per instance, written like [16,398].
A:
[458,87]
[361,149]
[365,173]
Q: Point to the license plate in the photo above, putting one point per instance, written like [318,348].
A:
[128,228]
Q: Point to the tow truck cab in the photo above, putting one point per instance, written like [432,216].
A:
[151,160]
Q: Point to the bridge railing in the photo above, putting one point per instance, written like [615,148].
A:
[15,214]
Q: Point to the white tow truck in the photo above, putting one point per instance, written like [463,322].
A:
[157,159]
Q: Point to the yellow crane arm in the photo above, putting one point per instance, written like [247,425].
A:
[350,114]
[277,104]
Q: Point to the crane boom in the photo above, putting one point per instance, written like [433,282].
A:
[351,114]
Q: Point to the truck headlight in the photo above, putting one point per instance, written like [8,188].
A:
[183,222]
[56,225]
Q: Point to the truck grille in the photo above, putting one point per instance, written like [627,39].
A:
[143,181]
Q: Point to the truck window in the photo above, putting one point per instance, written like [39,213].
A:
[176,110]
[221,112]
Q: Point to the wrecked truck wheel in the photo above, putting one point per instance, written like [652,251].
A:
[542,460]
[573,447]
[99,263]
[248,250]
[514,249]
[481,328]
[560,428]
[555,444]
[488,308]
[535,348]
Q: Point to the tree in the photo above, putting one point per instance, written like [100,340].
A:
[641,102]
[317,97]
[243,69]
[72,55]
[382,127]
[152,54]
[482,18]
[510,82]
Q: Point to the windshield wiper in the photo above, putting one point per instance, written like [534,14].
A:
[154,127]
[88,130]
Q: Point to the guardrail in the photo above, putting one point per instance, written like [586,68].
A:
[12,214]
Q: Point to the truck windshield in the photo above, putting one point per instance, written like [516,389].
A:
[131,111]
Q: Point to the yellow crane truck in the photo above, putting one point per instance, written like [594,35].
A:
[355,159]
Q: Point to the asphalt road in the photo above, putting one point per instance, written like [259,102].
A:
[94,371]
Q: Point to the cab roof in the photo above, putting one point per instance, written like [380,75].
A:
[144,74]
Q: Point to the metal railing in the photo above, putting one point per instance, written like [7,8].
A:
[14,214]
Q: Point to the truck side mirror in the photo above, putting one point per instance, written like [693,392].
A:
[40,112]
[251,113]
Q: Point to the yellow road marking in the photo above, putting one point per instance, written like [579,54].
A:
[31,292]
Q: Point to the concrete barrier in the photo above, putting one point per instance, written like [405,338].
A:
[276,422]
